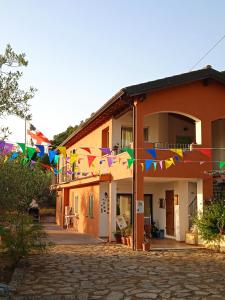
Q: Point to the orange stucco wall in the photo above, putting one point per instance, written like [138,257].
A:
[85,223]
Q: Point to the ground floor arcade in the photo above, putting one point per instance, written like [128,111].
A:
[169,206]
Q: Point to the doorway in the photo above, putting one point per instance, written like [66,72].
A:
[170,213]
[148,215]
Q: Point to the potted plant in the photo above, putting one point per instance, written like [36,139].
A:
[117,236]
[129,238]
[146,245]
[123,237]
[155,231]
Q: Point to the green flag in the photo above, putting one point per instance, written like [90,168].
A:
[222,164]
[130,162]
[129,151]
[30,152]
[22,146]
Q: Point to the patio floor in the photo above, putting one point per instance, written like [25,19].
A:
[167,244]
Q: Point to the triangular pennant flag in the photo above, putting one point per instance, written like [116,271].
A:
[152,152]
[129,151]
[168,163]
[176,157]
[90,158]
[73,158]
[22,146]
[171,158]
[202,162]
[42,150]
[161,164]
[142,166]
[178,151]
[2,145]
[62,150]
[56,159]
[46,166]
[110,161]
[30,152]
[51,155]
[155,165]
[56,172]
[86,149]
[130,162]
[8,148]
[106,150]
[222,164]
[14,155]
[206,152]
[148,164]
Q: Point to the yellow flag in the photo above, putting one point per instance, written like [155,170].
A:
[169,163]
[178,151]
[142,167]
[73,158]
[62,150]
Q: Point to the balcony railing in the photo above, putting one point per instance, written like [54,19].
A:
[163,145]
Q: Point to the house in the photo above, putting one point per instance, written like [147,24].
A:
[177,126]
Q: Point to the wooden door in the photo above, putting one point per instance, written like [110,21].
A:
[170,213]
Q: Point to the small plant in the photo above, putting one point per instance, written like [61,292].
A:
[21,236]
[128,230]
[211,223]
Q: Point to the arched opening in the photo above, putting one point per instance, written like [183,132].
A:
[172,130]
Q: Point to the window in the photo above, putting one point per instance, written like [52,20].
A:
[146,134]
[76,204]
[126,136]
[90,206]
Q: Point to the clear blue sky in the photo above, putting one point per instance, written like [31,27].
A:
[82,52]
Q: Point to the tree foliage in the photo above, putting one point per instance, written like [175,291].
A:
[19,184]
[13,100]
[211,223]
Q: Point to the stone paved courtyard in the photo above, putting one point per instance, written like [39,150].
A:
[115,272]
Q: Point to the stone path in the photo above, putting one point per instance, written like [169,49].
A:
[61,236]
[115,272]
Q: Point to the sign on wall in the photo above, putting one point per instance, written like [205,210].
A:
[121,222]
[140,206]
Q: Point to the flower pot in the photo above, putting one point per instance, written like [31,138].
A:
[146,246]
[124,240]
[118,238]
[128,241]
[131,241]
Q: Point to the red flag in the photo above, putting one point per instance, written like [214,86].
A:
[91,158]
[87,149]
[206,152]
[37,135]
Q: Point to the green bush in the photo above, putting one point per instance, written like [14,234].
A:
[211,222]
[21,236]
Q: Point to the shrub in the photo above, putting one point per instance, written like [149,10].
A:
[211,223]
[21,236]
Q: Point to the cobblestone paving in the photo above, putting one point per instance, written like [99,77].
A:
[116,272]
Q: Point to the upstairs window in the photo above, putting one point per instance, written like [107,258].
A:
[126,136]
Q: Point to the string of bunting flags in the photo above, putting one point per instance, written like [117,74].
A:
[13,151]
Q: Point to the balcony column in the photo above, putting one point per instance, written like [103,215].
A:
[138,178]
